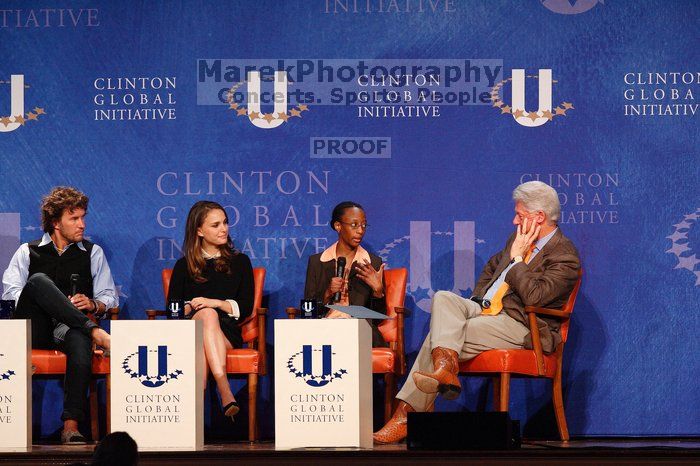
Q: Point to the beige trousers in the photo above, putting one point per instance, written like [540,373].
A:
[457,324]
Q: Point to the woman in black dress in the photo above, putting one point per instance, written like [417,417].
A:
[216,283]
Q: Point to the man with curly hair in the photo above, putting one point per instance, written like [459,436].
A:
[55,281]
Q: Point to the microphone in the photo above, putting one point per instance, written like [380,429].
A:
[74,277]
[339,272]
[484,303]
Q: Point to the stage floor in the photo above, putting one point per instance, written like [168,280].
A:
[582,451]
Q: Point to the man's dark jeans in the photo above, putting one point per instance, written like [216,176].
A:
[57,324]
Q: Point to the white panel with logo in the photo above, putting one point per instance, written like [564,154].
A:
[157,383]
[323,383]
[15,385]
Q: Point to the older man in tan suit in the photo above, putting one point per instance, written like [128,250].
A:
[538,267]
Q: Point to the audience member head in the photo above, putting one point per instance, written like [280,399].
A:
[116,449]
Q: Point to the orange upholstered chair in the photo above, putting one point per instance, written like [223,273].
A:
[49,363]
[389,361]
[501,364]
[250,360]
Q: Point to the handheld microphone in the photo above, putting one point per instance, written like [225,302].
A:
[339,272]
[74,277]
[484,303]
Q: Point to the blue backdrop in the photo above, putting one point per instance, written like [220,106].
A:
[144,106]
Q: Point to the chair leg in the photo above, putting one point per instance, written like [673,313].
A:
[558,401]
[504,396]
[496,392]
[389,395]
[252,407]
[108,398]
[94,421]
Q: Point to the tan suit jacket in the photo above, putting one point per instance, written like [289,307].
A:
[547,281]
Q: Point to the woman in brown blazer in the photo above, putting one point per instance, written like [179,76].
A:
[362,284]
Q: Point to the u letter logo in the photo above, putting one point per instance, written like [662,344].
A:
[16,102]
[518,97]
[162,366]
[279,98]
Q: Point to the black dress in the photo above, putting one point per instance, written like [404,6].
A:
[237,285]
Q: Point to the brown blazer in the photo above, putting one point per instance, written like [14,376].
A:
[547,281]
[318,276]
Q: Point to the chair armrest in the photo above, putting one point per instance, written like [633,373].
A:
[292,312]
[262,335]
[152,313]
[546,311]
[113,313]
[536,342]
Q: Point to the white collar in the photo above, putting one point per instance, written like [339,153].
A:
[206,255]
[46,239]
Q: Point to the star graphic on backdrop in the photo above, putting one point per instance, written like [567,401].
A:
[11,372]
[548,115]
[688,263]
[39,111]
[19,119]
[295,113]
[240,111]
[691,216]
[683,224]
[678,248]
[268,117]
[420,293]
[31,116]
[567,105]
[5,376]
[253,115]
[677,235]
[697,275]
[233,106]
[560,111]
[518,113]
[5,120]
[303,108]
[533,116]
[283,117]
[497,103]
[505,109]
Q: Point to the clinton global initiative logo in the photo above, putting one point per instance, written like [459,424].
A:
[17,117]
[438,259]
[570,7]
[307,355]
[255,98]
[5,375]
[150,378]
[517,107]
[681,244]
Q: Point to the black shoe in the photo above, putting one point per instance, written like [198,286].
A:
[72,437]
[231,409]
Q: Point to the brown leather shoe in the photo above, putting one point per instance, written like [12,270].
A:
[444,380]
[395,430]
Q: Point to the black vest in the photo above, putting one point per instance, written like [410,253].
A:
[45,259]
